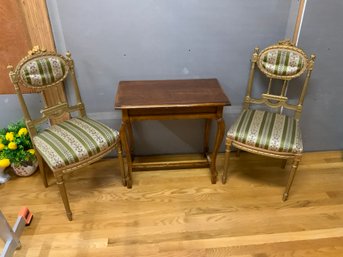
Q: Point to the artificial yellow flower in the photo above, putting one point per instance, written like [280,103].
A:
[2,146]
[12,146]
[4,163]
[31,151]
[9,136]
[22,131]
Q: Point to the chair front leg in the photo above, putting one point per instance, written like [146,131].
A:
[226,160]
[63,192]
[294,168]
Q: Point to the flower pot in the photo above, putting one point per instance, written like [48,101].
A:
[24,170]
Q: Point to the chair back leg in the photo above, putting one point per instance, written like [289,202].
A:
[283,163]
[42,170]
[238,152]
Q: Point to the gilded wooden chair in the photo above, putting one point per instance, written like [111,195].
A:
[71,143]
[268,131]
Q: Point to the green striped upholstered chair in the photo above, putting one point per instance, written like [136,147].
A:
[268,131]
[73,142]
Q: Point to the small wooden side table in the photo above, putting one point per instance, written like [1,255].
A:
[168,100]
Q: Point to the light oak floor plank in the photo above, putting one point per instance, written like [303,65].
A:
[180,213]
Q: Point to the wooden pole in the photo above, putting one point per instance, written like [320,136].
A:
[298,23]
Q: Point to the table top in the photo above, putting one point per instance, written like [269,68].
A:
[170,93]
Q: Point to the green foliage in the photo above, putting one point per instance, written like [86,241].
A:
[15,144]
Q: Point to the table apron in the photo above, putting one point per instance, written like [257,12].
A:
[208,112]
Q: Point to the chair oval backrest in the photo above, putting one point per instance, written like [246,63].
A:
[43,71]
[282,62]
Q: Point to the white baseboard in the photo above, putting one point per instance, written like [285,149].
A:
[115,115]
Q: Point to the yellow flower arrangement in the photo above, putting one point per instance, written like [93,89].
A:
[12,146]
[31,151]
[4,163]
[15,145]
[22,131]
[9,136]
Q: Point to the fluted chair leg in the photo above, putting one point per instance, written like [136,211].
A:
[226,161]
[121,164]
[292,173]
[63,192]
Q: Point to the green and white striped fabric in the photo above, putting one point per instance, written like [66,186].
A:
[43,71]
[74,140]
[271,131]
[282,63]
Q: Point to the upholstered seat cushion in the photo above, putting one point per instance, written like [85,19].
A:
[74,140]
[271,131]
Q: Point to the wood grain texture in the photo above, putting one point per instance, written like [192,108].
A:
[14,41]
[180,213]
[38,23]
[169,93]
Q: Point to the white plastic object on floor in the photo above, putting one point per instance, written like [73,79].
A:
[11,236]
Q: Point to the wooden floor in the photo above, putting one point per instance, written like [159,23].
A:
[180,213]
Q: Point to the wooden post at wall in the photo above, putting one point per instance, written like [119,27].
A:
[39,28]
[298,23]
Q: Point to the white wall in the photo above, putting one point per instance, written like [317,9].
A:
[322,34]
[170,39]
[113,40]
